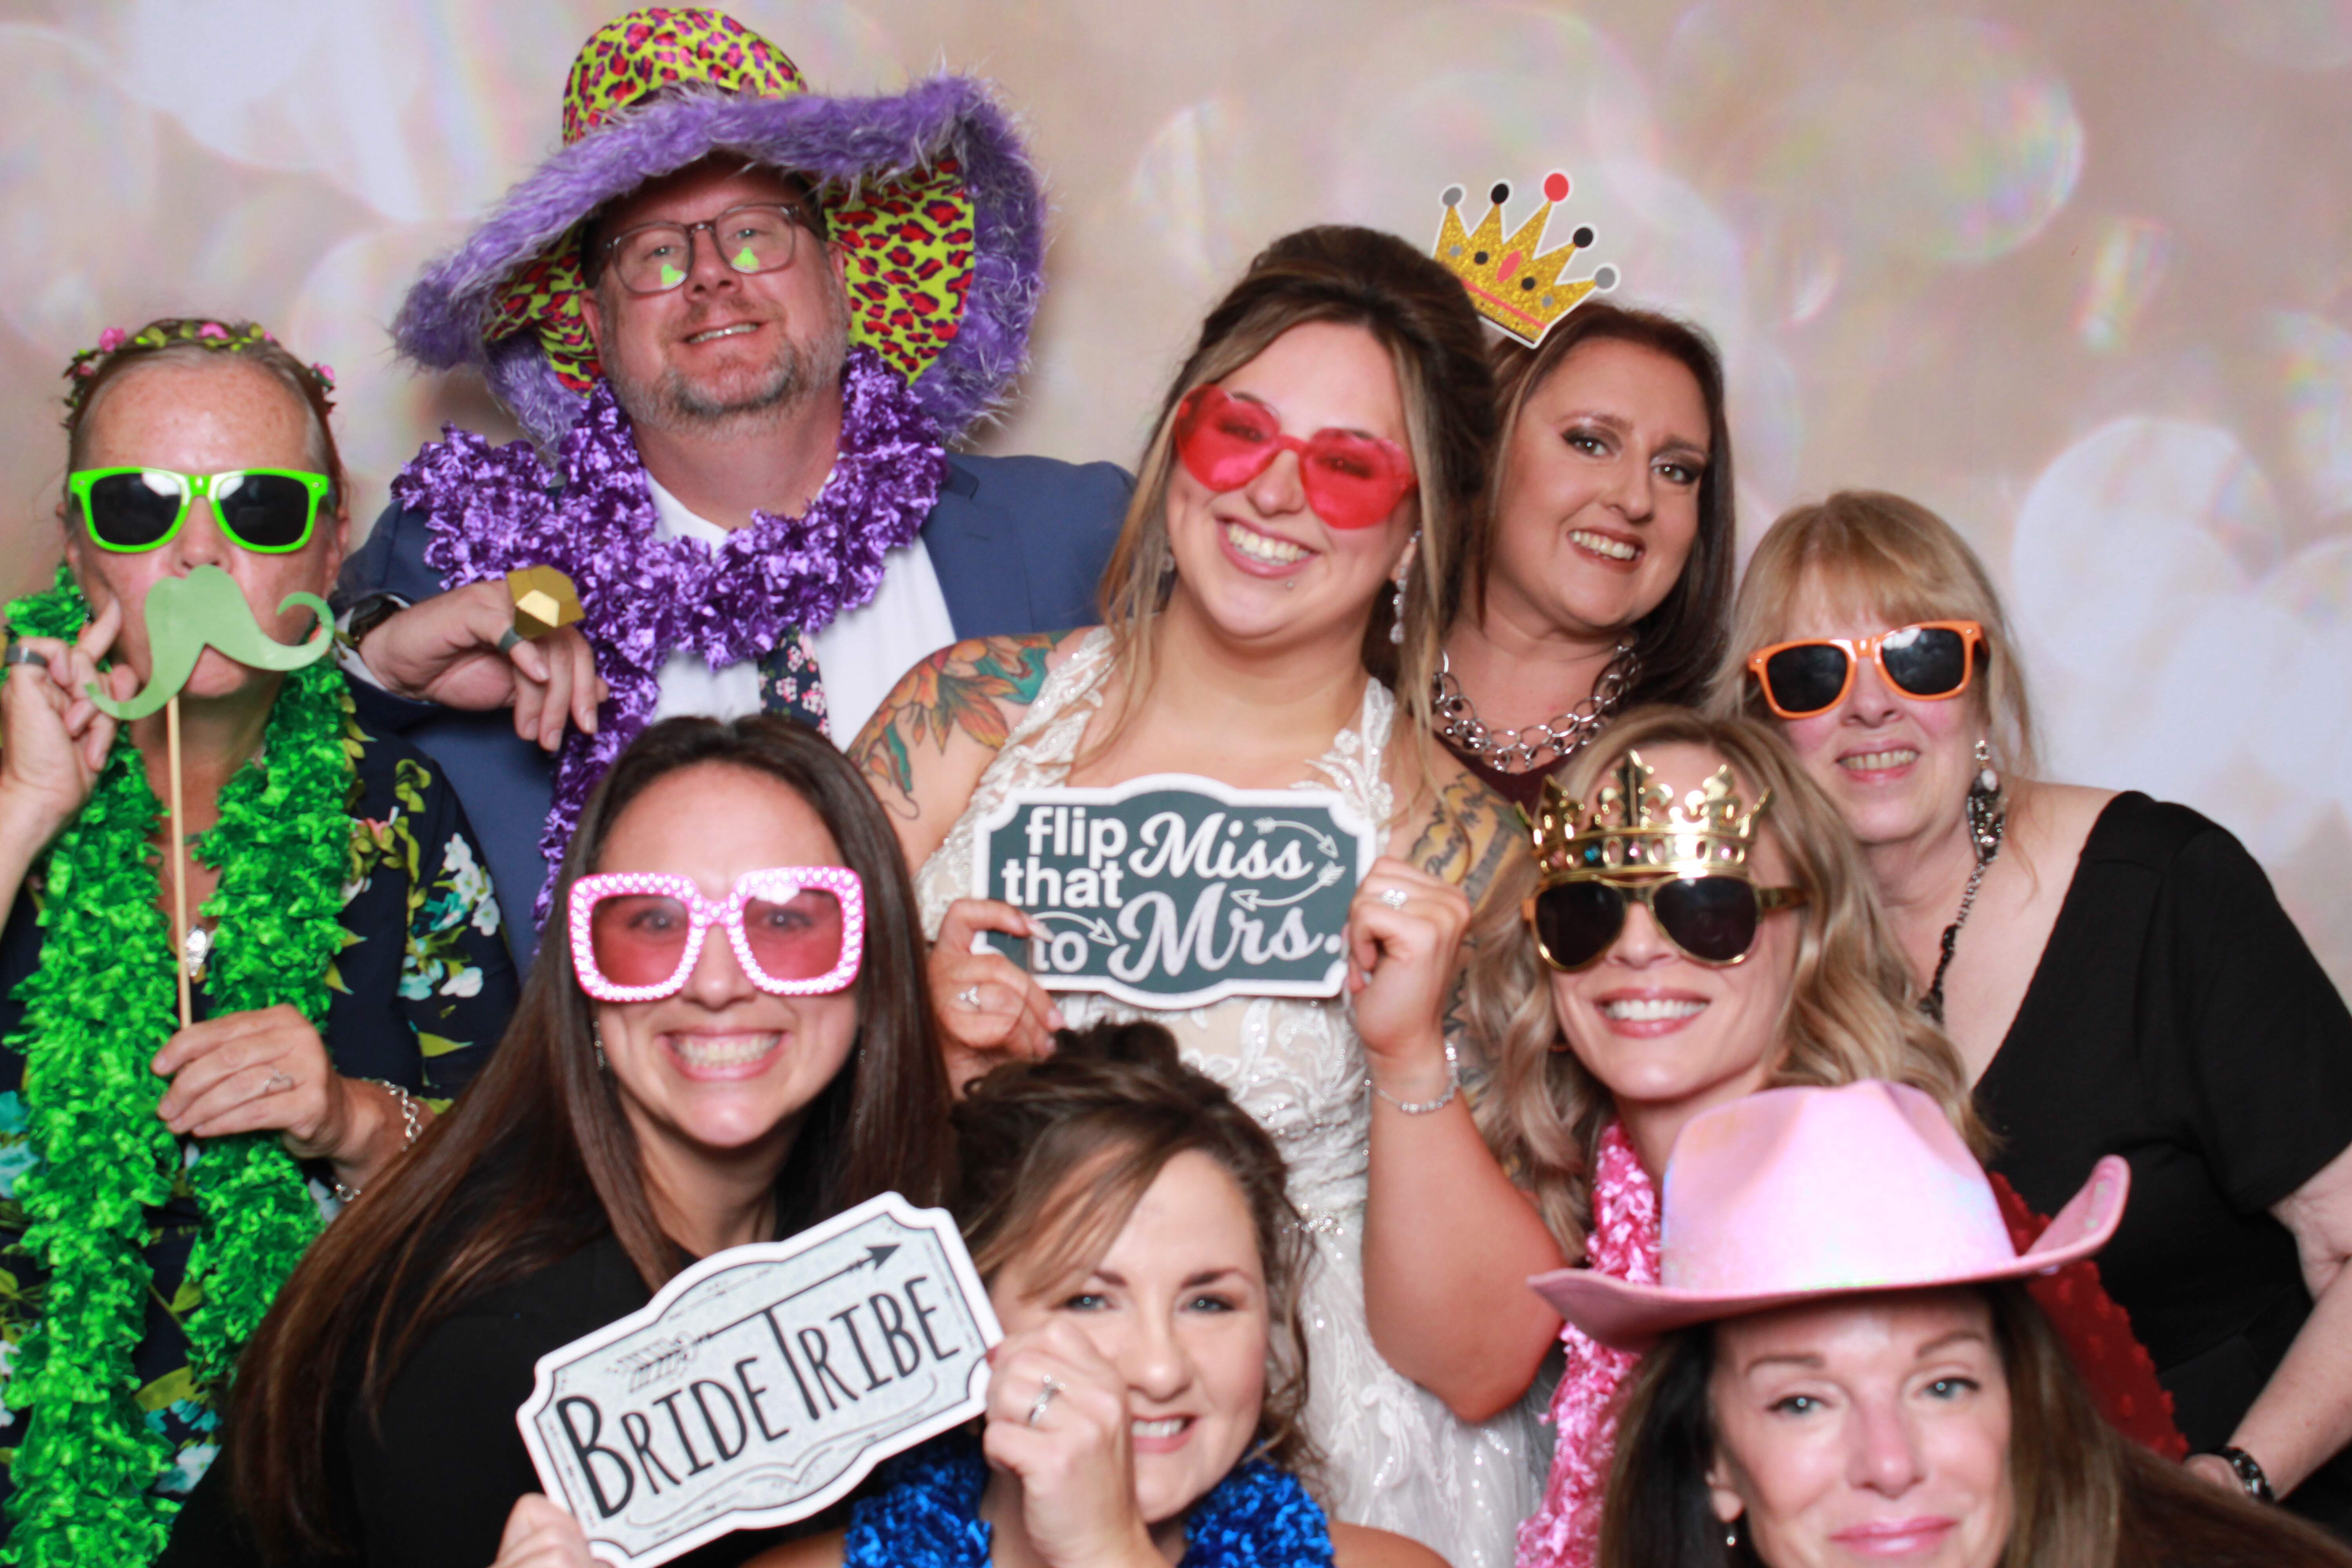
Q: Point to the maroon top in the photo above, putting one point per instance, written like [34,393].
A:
[1522,790]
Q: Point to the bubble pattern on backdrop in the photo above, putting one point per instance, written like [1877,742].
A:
[2313,357]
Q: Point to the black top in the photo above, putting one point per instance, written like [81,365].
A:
[418,998]
[2177,1019]
[433,1486]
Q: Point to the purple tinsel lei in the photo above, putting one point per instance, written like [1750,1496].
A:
[492,509]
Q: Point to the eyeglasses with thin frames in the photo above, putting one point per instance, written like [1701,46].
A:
[754,237]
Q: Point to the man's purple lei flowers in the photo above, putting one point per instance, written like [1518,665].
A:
[491,510]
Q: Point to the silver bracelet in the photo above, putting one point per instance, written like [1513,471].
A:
[412,1122]
[1424,1107]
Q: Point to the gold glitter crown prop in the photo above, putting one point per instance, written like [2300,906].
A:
[1513,285]
[1636,825]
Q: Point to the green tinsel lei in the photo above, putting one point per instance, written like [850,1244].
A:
[103,1002]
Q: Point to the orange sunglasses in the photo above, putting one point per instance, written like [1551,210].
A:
[1931,660]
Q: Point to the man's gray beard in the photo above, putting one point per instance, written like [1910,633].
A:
[800,373]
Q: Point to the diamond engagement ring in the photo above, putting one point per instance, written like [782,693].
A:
[1394,898]
[276,1083]
[1044,1397]
[969,997]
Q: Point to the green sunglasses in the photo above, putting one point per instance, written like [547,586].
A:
[133,510]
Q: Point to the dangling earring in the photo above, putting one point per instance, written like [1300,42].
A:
[1731,1540]
[596,1033]
[1403,577]
[1984,808]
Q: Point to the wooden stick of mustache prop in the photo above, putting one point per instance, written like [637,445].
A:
[184,615]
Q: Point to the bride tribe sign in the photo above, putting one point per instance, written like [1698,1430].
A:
[1172,891]
[763,1382]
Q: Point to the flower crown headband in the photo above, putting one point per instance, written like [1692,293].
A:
[218,336]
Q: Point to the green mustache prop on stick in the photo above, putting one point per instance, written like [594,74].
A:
[186,615]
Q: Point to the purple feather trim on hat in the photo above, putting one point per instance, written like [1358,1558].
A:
[842,141]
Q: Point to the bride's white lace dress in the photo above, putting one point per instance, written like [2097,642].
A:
[1397,1458]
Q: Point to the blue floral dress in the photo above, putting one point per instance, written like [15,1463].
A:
[418,998]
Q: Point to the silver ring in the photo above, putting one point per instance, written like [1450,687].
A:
[276,1083]
[969,997]
[1044,1397]
[508,639]
[1394,898]
[19,653]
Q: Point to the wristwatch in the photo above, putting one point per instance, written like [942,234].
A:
[368,612]
[2249,1471]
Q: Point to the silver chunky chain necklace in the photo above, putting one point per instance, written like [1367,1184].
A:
[1531,745]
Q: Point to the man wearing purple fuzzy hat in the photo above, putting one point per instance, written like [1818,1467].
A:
[740,321]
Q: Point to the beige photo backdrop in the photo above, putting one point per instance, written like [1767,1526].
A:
[2078,275]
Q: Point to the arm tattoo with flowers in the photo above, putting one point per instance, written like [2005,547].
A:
[960,690]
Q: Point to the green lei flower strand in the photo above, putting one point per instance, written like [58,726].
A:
[98,1007]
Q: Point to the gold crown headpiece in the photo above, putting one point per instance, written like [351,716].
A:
[1637,825]
[1511,284]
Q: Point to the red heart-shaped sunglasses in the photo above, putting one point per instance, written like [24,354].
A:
[1351,480]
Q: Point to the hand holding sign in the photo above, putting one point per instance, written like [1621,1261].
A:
[988,1007]
[1405,948]
[539,1534]
[1172,891]
[763,1382]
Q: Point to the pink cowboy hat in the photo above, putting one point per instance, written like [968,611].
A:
[1793,1195]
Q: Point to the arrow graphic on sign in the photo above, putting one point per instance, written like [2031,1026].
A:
[1250,898]
[1097,929]
[875,1257]
[1323,841]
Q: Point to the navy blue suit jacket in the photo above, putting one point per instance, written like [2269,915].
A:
[1019,544]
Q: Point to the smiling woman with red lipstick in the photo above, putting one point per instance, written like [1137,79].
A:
[1694,925]
[1598,576]
[725,1039]
[1841,1366]
[2073,939]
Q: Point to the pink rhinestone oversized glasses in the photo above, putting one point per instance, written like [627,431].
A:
[797,931]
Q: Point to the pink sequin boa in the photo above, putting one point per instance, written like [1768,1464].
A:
[1565,1532]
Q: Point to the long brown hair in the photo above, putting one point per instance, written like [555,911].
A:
[538,1158]
[1849,1012]
[2085,1497]
[1418,312]
[1057,1153]
[1677,645]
